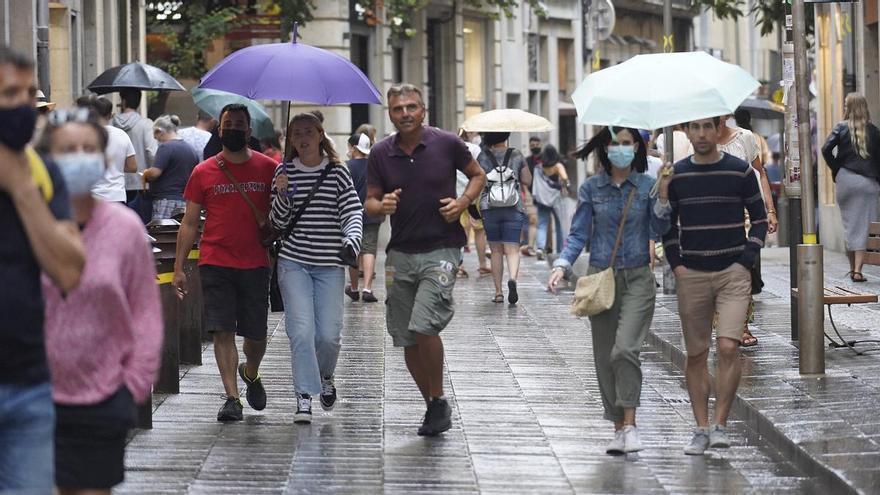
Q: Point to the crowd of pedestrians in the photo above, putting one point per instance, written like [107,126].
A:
[82,330]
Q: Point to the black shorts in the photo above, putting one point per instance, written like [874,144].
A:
[236,300]
[90,442]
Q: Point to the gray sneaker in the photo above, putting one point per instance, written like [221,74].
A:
[699,443]
[718,438]
[631,441]
[617,446]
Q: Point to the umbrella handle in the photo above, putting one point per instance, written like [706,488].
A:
[287,193]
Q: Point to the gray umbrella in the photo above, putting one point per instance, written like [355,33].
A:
[134,75]
[763,109]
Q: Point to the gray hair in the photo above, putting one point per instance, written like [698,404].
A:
[405,89]
[167,123]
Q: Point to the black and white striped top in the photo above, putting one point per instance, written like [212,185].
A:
[332,219]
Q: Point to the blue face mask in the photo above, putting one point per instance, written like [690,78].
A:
[621,156]
[81,171]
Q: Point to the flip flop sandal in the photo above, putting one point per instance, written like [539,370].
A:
[484,271]
[857,277]
[499,298]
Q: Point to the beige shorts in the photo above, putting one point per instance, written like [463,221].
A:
[702,294]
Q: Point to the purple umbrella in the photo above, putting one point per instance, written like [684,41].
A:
[293,72]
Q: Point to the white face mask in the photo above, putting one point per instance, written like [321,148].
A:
[478,140]
[731,122]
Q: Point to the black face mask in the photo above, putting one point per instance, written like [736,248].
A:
[233,139]
[536,151]
[17,126]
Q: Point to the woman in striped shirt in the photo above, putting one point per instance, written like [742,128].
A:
[311,272]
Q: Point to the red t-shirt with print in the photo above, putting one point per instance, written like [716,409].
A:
[231,238]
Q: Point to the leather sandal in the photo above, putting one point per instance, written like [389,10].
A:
[748,340]
[857,277]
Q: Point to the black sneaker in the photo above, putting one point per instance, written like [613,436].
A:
[328,393]
[256,394]
[368,297]
[303,409]
[353,294]
[231,410]
[438,418]
[512,295]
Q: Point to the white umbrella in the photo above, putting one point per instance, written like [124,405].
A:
[507,120]
[662,89]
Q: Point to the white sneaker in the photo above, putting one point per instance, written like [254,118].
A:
[699,442]
[631,442]
[618,445]
[718,438]
[303,409]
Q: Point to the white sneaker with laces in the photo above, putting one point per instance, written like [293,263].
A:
[699,442]
[617,446]
[718,438]
[303,409]
[631,441]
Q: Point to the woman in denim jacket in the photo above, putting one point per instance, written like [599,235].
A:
[618,333]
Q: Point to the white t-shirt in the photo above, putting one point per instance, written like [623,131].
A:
[681,145]
[111,187]
[654,166]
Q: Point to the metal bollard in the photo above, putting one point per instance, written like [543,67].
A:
[191,309]
[169,370]
[144,418]
[811,316]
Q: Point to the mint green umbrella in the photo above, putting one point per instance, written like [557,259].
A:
[662,89]
[212,101]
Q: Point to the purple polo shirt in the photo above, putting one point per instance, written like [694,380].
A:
[425,177]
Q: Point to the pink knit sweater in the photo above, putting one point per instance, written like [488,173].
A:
[108,331]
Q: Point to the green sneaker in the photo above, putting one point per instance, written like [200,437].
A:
[256,394]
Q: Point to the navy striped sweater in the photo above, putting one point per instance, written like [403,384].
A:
[332,219]
[708,224]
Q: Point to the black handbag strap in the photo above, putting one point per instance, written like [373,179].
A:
[302,209]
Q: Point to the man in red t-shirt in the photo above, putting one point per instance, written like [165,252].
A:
[233,264]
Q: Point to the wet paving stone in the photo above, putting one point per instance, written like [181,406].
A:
[527,417]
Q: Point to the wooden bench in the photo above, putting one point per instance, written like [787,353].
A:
[872,257]
[841,295]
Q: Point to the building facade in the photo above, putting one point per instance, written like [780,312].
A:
[73,41]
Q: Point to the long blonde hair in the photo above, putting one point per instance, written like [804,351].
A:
[857,117]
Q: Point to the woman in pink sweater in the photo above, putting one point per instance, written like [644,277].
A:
[103,338]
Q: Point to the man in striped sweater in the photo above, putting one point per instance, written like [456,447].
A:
[711,257]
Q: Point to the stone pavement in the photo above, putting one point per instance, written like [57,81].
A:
[827,425]
[527,418]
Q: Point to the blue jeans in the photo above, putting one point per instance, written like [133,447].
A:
[27,436]
[544,214]
[313,309]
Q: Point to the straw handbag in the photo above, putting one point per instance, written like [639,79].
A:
[595,293]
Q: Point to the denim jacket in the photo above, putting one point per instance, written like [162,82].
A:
[600,207]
